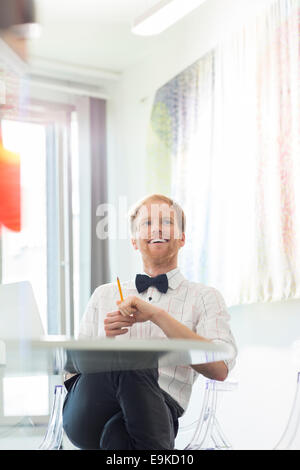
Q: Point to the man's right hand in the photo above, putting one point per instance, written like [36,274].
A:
[116,324]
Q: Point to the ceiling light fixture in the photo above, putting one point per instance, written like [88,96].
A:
[163,15]
[27,30]
[18,17]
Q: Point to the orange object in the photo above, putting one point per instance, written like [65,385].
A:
[120,290]
[10,189]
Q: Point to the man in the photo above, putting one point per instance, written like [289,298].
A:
[139,409]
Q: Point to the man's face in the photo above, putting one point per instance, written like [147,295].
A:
[158,234]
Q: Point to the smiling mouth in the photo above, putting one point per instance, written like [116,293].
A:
[158,240]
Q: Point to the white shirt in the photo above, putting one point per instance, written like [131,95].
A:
[199,307]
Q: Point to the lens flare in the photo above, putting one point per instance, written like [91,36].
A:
[10,189]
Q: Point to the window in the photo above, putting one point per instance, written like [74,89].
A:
[24,254]
[42,252]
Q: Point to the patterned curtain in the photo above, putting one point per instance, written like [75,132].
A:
[224,141]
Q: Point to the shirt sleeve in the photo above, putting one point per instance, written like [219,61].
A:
[90,325]
[213,321]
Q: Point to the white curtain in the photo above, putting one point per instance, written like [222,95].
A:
[236,161]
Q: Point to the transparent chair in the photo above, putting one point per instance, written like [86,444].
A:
[208,434]
[54,434]
[290,439]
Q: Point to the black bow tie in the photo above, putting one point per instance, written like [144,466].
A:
[142,282]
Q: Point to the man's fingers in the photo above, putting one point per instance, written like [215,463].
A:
[117,322]
[119,313]
[126,312]
[116,325]
[116,332]
[112,314]
[124,320]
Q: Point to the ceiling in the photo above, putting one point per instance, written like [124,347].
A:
[89,42]
[94,34]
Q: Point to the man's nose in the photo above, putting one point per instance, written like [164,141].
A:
[156,228]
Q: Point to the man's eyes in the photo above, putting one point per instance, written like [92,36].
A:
[147,223]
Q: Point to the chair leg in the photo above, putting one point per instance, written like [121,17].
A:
[290,439]
[202,433]
[208,434]
[219,438]
[54,434]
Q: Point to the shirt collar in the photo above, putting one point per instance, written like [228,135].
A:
[175,278]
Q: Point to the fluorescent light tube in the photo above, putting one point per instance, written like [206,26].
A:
[27,30]
[163,15]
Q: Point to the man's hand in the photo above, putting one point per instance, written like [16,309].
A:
[136,308]
[117,324]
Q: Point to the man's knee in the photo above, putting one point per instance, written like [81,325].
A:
[114,435]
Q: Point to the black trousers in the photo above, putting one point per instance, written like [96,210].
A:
[120,410]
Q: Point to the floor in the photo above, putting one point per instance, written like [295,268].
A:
[26,437]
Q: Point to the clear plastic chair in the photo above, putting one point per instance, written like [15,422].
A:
[290,439]
[208,434]
[54,434]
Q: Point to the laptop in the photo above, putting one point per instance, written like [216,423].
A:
[19,313]
[20,319]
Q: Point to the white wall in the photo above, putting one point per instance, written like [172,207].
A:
[255,415]
[268,337]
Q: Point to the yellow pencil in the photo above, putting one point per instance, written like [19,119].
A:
[120,290]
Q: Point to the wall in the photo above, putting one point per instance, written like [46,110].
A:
[129,110]
[254,416]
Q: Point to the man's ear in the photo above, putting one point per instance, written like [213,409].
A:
[134,244]
[182,241]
